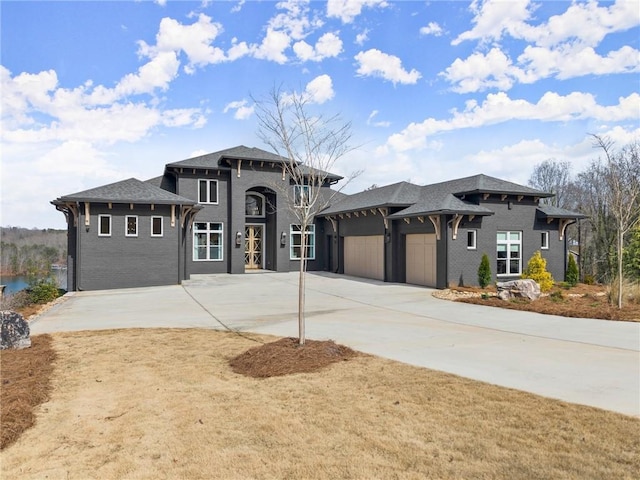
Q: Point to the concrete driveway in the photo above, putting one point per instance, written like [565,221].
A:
[590,362]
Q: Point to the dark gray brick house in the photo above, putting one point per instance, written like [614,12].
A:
[229,212]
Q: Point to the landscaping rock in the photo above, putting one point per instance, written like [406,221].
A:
[526,288]
[14,331]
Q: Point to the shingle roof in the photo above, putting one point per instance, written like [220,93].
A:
[211,160]
[443,197]
[400,194]
[127,191]
[557,212]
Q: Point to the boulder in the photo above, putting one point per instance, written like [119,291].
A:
[14,331]
[525,288]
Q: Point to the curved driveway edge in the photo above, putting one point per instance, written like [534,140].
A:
[585,361]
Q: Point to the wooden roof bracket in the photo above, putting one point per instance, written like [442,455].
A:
[173,215]
[485,196]
[87,214]
[564,223]
[435,220]
[239,167]
[334,223]
[383,212]
[407,220]
[186,212]
[456,223]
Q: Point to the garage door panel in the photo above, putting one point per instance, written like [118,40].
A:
[421,259]
[364,256]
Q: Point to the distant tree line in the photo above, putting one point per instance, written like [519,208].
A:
[608,192]
[31,252]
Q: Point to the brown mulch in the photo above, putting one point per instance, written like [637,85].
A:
[286,356]
[26,383]
[581,301]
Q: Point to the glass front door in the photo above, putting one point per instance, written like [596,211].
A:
[253,246]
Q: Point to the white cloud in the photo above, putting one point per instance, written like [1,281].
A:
[273,46]
[328,45]
[194,40]
[242,111]
[563,46]
[362,37]
[372,116]
[347,10]
[499,108]
[479,72]
[493,18]
[320,89]
[432,29]
[375,63]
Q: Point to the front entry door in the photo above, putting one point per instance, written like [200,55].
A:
[253,246]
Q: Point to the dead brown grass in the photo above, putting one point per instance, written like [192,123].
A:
[26,383]
[582,301]
[166,404]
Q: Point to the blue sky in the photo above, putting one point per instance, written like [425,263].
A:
[95,92]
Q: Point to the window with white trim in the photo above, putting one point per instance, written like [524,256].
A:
[131,225]
[471,239]
[509,256]
[104,225]
[544,240]
[295,242]
[301,195]
[207,241]
[156,226]
[207,191]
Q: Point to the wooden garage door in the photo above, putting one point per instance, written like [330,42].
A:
[421,259]
[364,256]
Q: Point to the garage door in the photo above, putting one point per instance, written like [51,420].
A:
[364,256]
[421,259]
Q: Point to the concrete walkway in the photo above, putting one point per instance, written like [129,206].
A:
[590,362]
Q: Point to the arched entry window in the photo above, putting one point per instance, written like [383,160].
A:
[254,204]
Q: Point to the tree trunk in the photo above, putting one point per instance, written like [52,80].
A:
[301,286]
[620,249]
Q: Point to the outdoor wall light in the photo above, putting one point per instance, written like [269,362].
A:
[238,239]
[283,239]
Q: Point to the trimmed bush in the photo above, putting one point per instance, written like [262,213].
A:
[43,292]
[537,271]
[571,276]
[484,271]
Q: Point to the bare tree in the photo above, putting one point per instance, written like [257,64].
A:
[622,189]
[311,145]
[554,177]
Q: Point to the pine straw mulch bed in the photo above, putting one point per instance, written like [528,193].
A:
[286,356]
[26,383]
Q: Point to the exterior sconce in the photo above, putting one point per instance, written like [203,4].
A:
[283,239]
[238,239]
[387,237]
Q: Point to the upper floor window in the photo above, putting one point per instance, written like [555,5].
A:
[131,225]
[509,257]
[295,240]
[207,241]
[156,226]
[301,195]
[544,240]
[104,225]
[207,191]
[254,205]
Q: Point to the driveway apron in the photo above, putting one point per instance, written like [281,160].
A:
[585,361]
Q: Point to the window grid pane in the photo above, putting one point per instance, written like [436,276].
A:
[208,241]
[508,248]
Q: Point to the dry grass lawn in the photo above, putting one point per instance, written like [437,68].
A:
[165,403]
